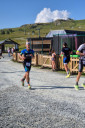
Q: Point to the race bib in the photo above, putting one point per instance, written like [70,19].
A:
[28,64]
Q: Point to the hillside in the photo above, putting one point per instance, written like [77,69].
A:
[32,30]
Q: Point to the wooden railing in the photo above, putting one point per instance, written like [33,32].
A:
[14,56]
[74,63]
[45,61]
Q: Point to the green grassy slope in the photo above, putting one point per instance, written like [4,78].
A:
[30,30]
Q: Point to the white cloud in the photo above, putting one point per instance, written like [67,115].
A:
[46,15]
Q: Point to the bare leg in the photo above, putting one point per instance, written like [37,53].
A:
[22,80]
[66,68]
[27,77]
[24,76]
[78,77]
[52,65]
[77,80]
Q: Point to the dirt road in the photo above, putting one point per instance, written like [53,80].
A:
[52,102]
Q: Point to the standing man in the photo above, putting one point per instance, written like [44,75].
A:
[27,57]
[66,53]
[81,52]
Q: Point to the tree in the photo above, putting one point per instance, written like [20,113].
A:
[2,32]
[10,30]
[7,32]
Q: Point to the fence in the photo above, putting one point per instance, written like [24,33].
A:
[74,64]
[45,61]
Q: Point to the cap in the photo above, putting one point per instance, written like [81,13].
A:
[27,43]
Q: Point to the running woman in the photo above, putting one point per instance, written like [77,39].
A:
[27,57]
[81,52]
[66,53]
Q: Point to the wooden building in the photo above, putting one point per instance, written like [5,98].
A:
[41,45]
[9,42]
[56,38]
[73,38]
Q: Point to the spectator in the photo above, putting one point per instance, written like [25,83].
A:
[12,51]
[9,52]
[53,60]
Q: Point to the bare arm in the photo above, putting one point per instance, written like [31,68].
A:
[71,52]
[79,53]
[61,53]
[32,55]
[21,57]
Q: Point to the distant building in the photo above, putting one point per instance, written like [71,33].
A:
[55,39]
[72,37]
[41,45]
[64,32]
[9,41]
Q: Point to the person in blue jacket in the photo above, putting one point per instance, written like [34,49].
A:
[27,58]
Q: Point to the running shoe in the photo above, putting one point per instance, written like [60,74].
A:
[68,76]
[76,87]
[22,82]
[83,85]
[29,86]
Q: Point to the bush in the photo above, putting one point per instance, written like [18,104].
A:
[2,32]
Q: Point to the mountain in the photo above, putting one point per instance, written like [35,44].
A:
[32,30]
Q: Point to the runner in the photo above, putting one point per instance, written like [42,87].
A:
[28,54]
[66,53]
[81,52]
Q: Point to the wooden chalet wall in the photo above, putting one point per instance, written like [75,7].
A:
[41,45]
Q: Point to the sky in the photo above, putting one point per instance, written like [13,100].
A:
[14,13]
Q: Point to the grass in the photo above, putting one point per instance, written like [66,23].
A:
[20,34]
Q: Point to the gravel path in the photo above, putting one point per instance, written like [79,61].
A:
[52,102]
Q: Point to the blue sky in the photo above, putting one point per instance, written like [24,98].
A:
[14,13]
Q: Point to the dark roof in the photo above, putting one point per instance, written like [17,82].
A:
[8,41]
[75,32]
[1,42]
[39,38]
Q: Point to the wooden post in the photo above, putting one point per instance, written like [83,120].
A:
[36,59]
[71,65]
[57,62]
[16,56]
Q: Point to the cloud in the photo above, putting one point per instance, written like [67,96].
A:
[46,15]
